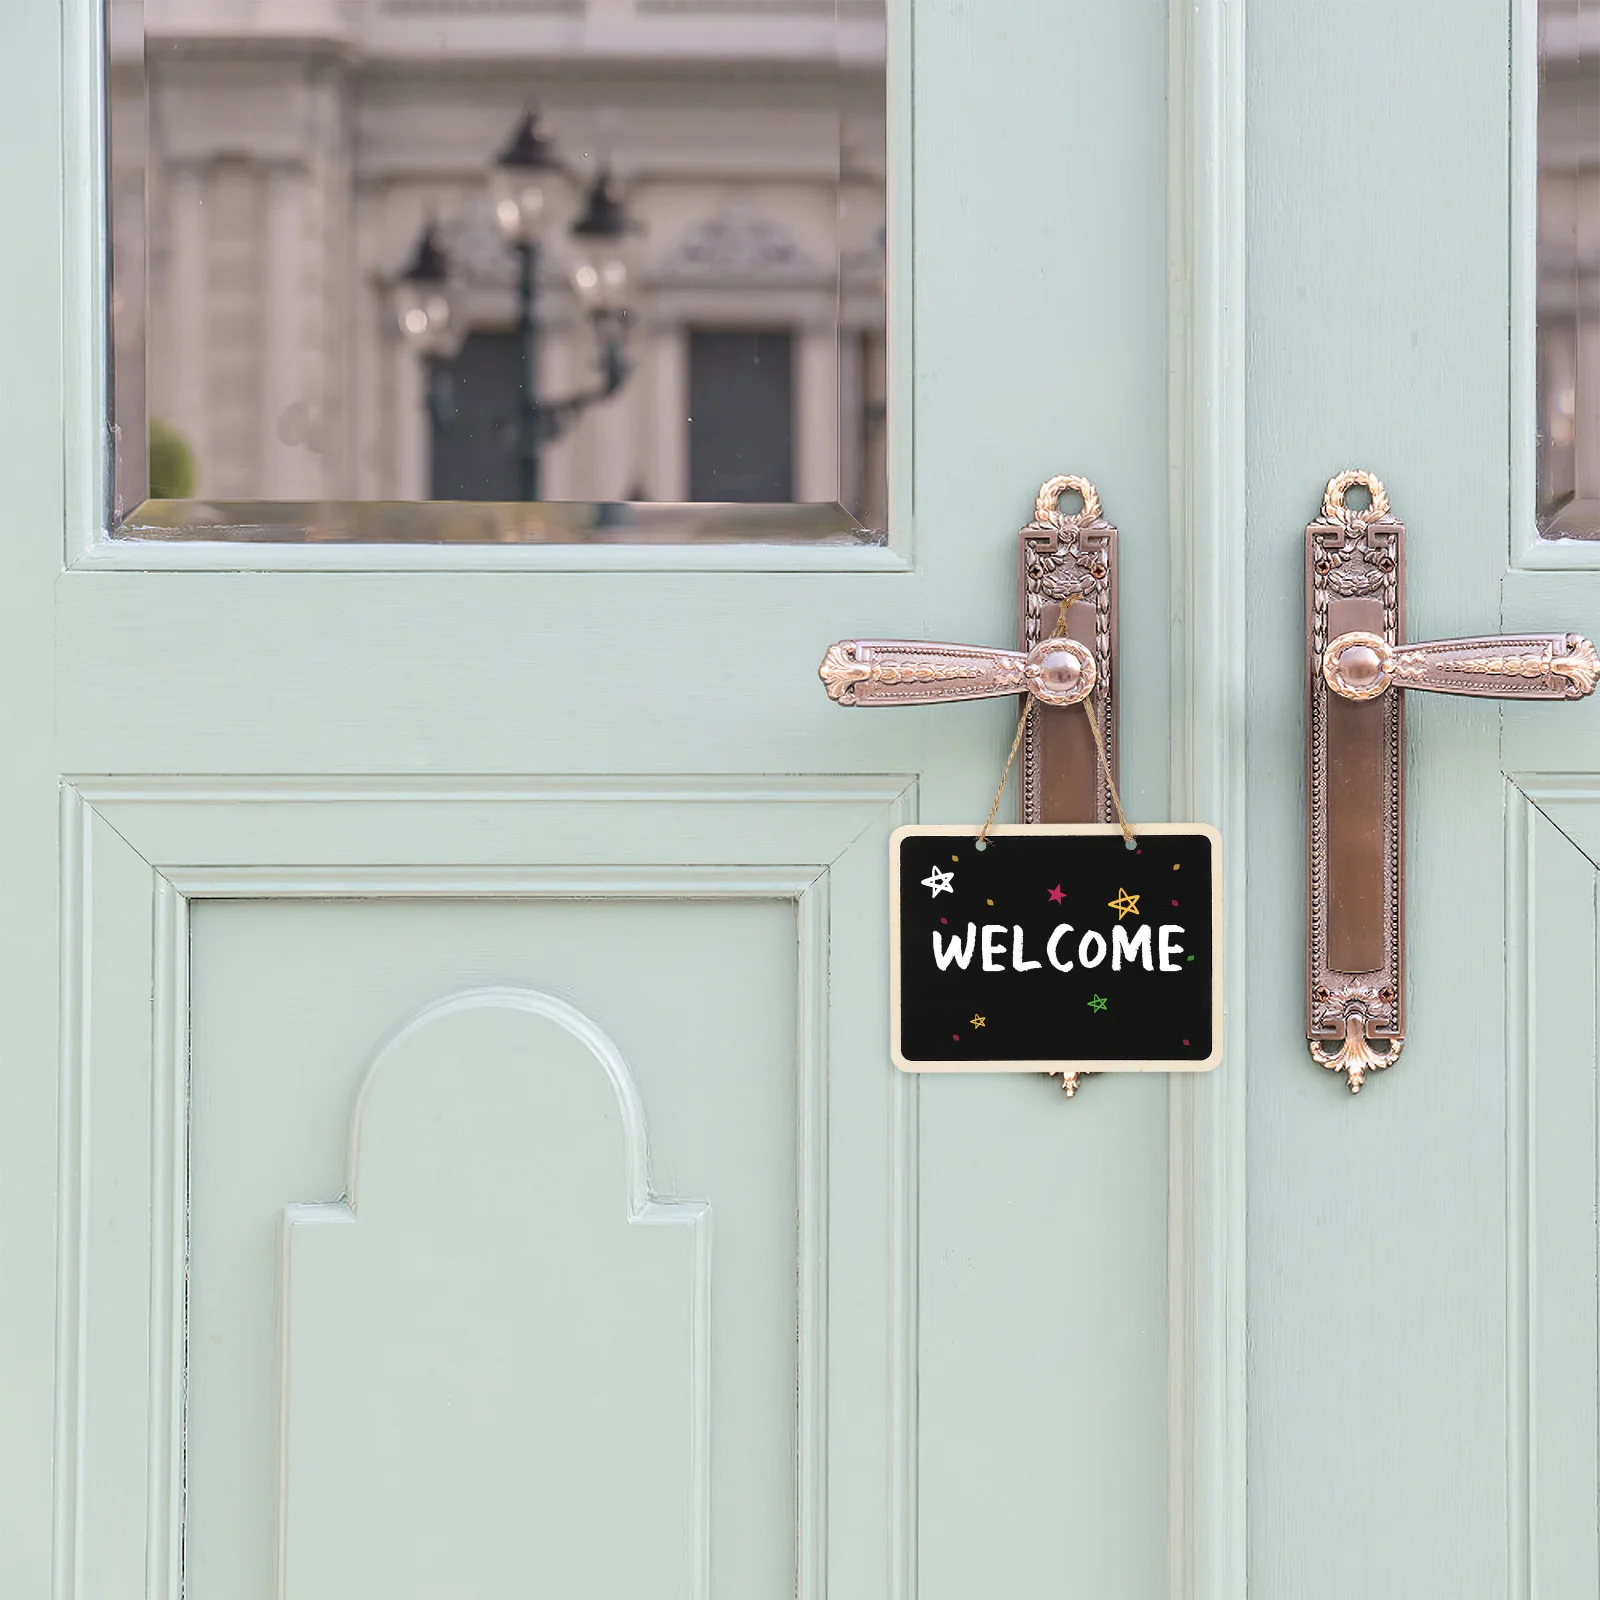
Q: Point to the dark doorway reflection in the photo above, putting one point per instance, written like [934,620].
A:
[472,401]
[741,415]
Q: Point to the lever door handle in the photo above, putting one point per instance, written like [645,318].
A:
[1520,666]
[911,672]
[1355,781]
[1067,570]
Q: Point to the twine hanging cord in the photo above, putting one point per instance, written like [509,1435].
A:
[1090,711]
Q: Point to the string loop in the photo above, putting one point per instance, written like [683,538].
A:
[1089,710]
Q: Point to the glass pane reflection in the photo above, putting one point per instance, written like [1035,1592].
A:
[1569,269]
[610,254]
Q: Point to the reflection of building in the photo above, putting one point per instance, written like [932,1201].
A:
[295,152]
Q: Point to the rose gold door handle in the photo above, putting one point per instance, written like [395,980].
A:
[909,672]
[1355,779]
[1523,666]
[1068,626]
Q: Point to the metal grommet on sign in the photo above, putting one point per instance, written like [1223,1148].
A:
[1358,665]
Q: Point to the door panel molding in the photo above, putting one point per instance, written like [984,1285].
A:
[125,943]
[1552,1177]
[323,1245]
[1570,801]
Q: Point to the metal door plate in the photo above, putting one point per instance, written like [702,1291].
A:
[1070,560]
[1355,889]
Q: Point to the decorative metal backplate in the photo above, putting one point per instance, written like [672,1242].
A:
[1357,672]
[1067,665]
[1069,560]
[1355,890]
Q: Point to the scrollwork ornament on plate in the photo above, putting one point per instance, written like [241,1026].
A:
[1355,1057]
[841,672]
[910,672]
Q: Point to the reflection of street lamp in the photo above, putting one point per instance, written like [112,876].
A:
[524,181]
[605,267]
[527,183]
[421,299]
[603,255]
[530,191]
[528,186]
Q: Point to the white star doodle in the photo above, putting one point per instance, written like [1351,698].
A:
[940,882]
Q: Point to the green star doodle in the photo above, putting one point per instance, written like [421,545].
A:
[1097,1002]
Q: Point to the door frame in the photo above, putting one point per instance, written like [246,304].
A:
[1206,1374]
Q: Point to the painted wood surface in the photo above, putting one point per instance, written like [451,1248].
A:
[1018,1355]
[1422,1278]
[495,1349]
[1379,1442]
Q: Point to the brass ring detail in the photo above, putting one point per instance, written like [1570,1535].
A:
[1046,505]
[1060,671]
[1335,510]
[1379,663]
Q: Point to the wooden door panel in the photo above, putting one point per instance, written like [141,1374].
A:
[1054,1365]
[568,672]
[494,1351]
[476,1159]
[751,1039]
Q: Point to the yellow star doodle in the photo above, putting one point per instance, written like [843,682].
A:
[1097,1003]
[1124,904]
[979,1022]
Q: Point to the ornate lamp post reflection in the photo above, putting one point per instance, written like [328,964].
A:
[605,267]
[526,183]
[529,191]
[423,306]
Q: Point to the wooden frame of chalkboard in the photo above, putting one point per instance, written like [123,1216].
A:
[1055,947]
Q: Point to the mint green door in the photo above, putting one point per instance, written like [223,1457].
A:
[1422,1258]
[449,1141]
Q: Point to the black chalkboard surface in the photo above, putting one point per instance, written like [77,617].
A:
[1056,946]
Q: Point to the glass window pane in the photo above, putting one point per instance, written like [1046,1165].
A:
[1568,338]
[589,262]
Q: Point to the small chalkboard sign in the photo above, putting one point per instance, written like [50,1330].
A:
[1056,948]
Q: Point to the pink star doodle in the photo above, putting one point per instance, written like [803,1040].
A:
[1056,895]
